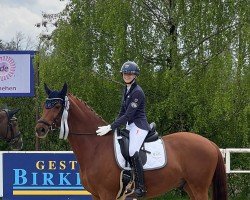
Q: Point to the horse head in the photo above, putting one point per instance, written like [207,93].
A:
[9,130]
[52,111]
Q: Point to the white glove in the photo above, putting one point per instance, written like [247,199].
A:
[102,130]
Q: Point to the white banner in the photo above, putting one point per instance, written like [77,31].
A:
[16,73]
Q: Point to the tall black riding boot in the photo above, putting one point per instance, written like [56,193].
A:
[140,190]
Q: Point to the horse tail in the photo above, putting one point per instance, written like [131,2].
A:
[220,179]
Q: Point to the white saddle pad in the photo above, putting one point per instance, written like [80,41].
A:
[156,159]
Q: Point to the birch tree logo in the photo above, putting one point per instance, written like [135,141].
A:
[7,68]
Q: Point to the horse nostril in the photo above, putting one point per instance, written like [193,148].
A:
[43,130]
[40,130]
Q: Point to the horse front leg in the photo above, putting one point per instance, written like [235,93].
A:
[95,197]
[107,196]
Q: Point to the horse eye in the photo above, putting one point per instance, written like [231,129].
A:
[58,106]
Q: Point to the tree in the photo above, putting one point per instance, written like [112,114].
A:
[18,42]
[194,59]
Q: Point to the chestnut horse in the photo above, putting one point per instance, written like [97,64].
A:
[192,159]
[9,130]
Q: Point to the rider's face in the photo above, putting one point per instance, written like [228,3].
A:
[128,77]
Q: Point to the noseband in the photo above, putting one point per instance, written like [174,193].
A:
[14,138]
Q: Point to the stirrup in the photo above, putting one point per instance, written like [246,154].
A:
[139,192]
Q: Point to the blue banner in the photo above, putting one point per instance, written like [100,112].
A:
[42,176]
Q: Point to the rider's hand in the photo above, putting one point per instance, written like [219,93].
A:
[102,130]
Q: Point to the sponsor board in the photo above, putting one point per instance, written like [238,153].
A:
[16,73]
[42,176]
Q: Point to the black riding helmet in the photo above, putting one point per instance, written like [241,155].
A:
[130,67]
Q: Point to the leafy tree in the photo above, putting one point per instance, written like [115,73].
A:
[194,60]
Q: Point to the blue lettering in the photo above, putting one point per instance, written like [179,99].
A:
[20,178]
[34,179]
[47,179]
[78,180]
[64,179]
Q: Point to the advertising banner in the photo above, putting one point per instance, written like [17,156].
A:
[42,176]
[16,73]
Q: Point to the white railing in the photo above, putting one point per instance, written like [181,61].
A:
[227,153]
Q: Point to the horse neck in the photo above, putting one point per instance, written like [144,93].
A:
[3,124]
[82,119]
[83,123]
[90,148]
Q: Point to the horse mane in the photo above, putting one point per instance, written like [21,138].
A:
[86,106]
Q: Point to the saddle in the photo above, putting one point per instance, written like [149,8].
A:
[123,139]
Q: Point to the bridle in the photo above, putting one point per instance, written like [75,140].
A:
[50,103]
[14,137]
[52,126]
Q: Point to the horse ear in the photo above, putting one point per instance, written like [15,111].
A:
[64,90]
[47,90]
[13,112]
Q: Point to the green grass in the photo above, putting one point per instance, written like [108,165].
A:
[174,195]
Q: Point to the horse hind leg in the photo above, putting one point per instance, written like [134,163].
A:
[198,193]
[95,197]
[188,190]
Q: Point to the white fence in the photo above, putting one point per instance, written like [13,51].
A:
[227,155]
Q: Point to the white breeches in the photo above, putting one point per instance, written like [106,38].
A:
[136,138]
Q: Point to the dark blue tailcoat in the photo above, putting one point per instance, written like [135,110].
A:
[132,109]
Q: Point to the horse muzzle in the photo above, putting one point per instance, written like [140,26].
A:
[17,145]
[41,130]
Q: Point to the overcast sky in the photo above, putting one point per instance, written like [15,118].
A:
[22,15]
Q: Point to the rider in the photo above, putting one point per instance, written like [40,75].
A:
[132,114]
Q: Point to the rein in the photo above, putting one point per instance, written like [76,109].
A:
[53,126]
[82,133]
[14,138]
